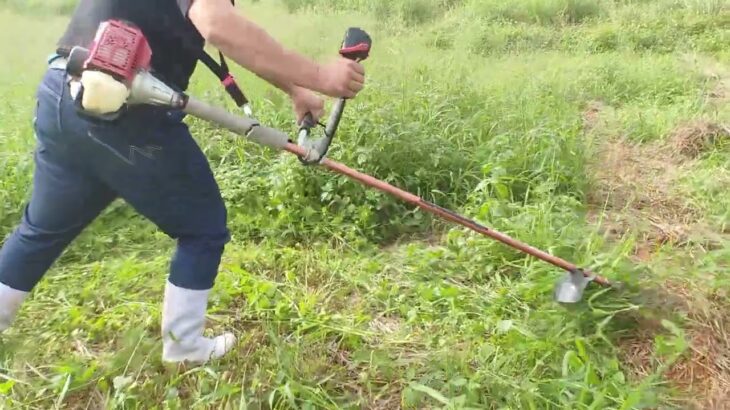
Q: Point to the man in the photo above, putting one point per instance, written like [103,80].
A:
[148,157]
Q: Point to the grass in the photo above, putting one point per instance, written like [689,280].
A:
[560,123]
[43,7]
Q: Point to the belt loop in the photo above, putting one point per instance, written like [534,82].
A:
[57,62]
[53,57]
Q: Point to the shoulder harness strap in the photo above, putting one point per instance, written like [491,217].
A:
[222,72]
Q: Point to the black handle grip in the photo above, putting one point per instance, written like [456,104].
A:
[356,44]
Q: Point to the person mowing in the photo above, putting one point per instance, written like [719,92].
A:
[148,157]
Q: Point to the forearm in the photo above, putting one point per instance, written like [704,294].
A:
[254,49]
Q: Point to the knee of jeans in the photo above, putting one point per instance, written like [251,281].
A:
[195,265]
[27,231]
[201,228]
[206,242]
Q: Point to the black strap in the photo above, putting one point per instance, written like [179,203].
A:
[224,75]
[224,65]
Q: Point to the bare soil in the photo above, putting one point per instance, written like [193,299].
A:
[636,194]
[703,373]
[636,184]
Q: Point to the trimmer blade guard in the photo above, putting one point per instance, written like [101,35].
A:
[570,289]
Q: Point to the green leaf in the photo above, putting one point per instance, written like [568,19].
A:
[591,376]
[672,327]
[598,401]
[410,397]
[6,387]
[459,382]
[570,359]
[120,382]
[503,326]
[430,392]
[619,377]
[502,191]
[580,345]
[172,393]
[632,400]
[449,292]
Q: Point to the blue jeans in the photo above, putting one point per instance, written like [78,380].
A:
[148,158]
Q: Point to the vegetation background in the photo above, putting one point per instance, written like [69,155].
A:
[594,129]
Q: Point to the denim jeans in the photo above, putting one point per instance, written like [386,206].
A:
[147,158]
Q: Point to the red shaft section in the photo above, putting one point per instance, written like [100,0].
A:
[445,213]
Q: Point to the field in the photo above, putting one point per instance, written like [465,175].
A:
[596,130]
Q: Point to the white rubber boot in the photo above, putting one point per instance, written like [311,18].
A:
[10,301]
[183,320]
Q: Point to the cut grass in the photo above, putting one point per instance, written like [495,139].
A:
[345,298]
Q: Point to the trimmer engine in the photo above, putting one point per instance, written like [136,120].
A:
[118,64]
[120,49]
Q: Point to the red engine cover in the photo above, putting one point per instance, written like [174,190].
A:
[119,49]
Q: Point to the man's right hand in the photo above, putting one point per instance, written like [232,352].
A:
[239,38]
[342,78]
[305,101]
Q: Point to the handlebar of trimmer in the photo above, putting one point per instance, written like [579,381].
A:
[355,46]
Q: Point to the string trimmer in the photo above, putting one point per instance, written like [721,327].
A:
[121,51]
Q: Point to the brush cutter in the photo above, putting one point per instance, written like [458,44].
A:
[120,50]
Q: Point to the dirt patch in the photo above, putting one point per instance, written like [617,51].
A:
[358,379]
[591,114]
[694,139]
[721,92]
[636,183]
[635,193]
[702,374]
[385,325]
[636,352]
[428,239]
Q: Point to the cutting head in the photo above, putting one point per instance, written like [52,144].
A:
[570,289]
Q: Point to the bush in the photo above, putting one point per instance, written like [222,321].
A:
[402,143]
[549,12]
[509,37]
[604,38]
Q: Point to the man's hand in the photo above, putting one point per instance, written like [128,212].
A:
[305,101]
[342,78]
[253,48]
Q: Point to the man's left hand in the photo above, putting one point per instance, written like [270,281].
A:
[305,101]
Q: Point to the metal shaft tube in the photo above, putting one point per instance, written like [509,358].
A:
[247,127]
[447,214]
[278,140]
